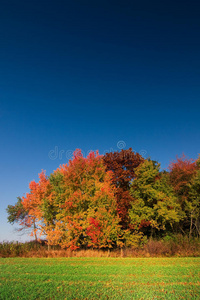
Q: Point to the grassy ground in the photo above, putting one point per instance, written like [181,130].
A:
[99,278]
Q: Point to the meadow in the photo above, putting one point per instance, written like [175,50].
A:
[99,278]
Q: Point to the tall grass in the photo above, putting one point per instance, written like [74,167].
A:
[169,246]
[14,249]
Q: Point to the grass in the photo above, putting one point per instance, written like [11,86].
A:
[99,278]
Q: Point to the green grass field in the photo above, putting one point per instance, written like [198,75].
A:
[99,278]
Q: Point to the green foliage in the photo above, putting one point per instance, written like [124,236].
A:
[155,205]
[192,206]
[16,213]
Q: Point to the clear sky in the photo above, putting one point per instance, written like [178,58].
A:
[94,75]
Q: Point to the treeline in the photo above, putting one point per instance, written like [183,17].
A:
[112,201]
[174,245]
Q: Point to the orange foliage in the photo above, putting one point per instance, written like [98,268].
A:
[65,204]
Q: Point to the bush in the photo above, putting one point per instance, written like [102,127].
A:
[173,245]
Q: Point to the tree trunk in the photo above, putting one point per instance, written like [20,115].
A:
[35,234]
[197,226]
[49,246]
[151,236]
[190,233]
[108,252]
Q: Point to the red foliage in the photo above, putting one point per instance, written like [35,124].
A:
[181,172]
[94,232]
[123,165]
[144,223]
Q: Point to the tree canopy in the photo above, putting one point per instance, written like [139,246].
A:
[111,201]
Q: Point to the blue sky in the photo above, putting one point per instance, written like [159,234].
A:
[88,74]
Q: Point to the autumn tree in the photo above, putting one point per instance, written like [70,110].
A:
[184,179]
[123,165]
[192,205]
[76,205]
[181,172]
[155,204]
[192,202]
[34,204]
[85,203]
